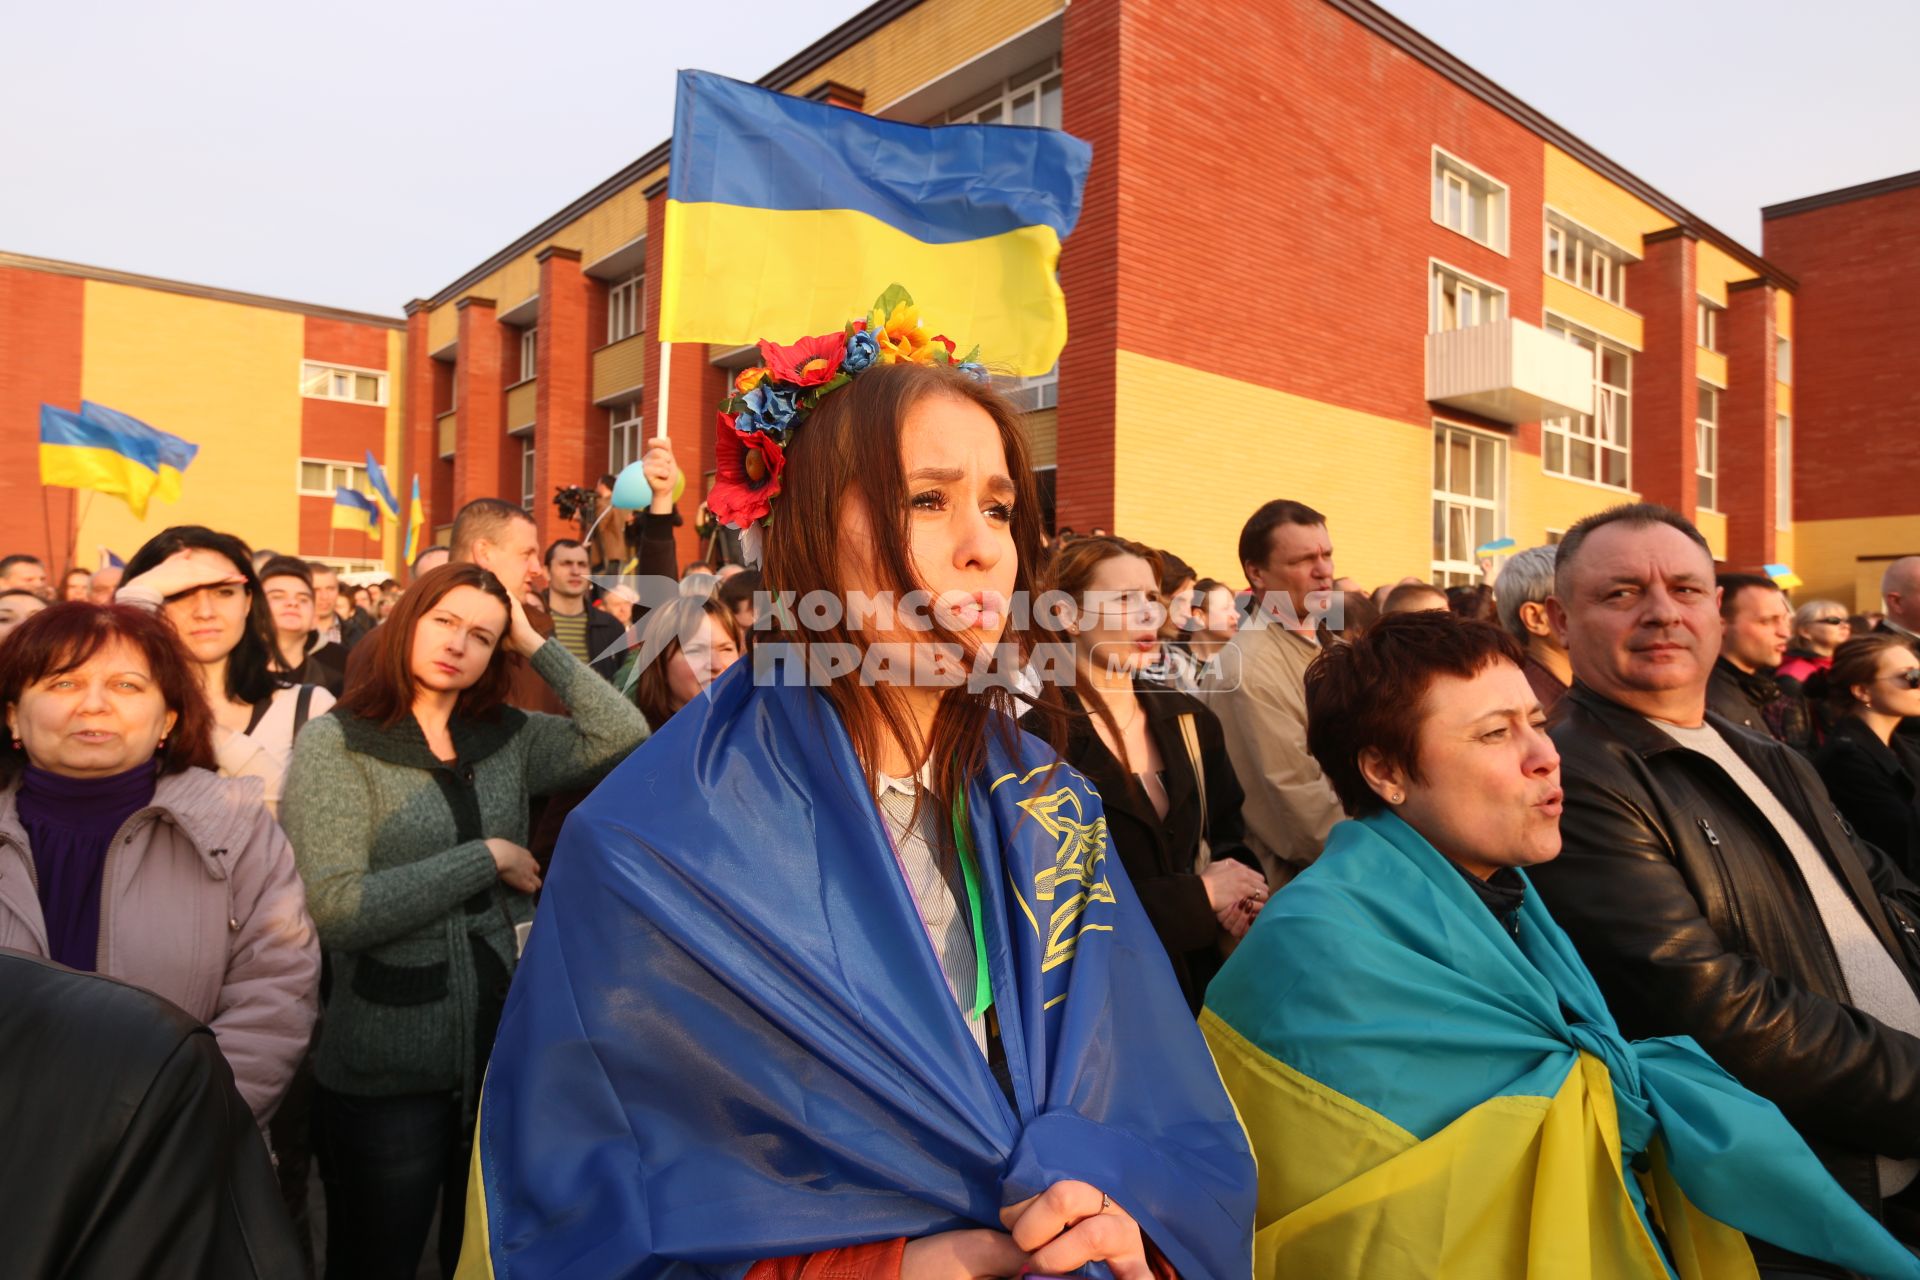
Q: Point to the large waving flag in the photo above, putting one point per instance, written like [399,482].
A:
[1431,1096]
[80,453]
[377,480]
[174,453]
[416,520]
[355,510]
[786,216]
[730,1039]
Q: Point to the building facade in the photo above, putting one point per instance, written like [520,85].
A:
[1856,386]
[1379,284]
[284,400]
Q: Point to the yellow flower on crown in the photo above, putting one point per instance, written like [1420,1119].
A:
[899,335]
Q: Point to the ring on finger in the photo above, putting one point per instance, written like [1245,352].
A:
[1106,1202]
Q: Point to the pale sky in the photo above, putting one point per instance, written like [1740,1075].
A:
[360,154]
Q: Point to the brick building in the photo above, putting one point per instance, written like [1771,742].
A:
[1856,387]
[1379,283]
[284,400]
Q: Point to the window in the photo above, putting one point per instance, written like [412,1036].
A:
[526,471]
[1461,302]
[1706,444]
[1706,325]
[1031,97]
[626,307]
[1783,360]
[1585,259]
[1596,446]
[1042,391]
[320,477]
[1469,500]
[1783,472]
[336,382]
[624,431]
[1469,202]
[529,352]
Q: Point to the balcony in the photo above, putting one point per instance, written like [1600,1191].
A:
[1509,371]
[522,398]
[619,368]
[444,433]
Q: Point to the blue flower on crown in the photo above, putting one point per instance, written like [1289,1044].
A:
[973,369]
[770,409]
[862,350]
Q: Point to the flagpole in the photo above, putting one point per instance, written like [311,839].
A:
[666,378]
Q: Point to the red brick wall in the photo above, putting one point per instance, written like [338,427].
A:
[1664,383]
[563,397]
[340,431]
[40,321]
[1749,444]
[486,464]
[1856,326]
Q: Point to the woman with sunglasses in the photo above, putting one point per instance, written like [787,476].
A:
[1819,627]
[1872,772]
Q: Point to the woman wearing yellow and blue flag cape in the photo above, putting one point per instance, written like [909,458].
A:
[835,975]
[1432,1081]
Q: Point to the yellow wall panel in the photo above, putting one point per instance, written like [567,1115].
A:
[221,375]
[1373,477]
[1714,269]
[1843,559]
[1713,527]
[1594,313]
[1783,398]
[1595,202]
[1710,366]
[443,326]
[1783,314]
[394,548]
[1043,434]
[521,401]
[1537,502]
[925,43]
[620,366]
[1784,548]
[618,220]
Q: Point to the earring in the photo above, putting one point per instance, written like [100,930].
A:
[1395,798]
[160,745]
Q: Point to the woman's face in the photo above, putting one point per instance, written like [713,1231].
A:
[1118,628]
[291,602]
[1179,610]
[1891,693]
[101,718]
[455,640]
[960,520]
[16,609]
[1215,617]
[693,666]
[211,620]
[1489,791]
[1826,632]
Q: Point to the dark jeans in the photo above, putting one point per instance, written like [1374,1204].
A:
[386,1163]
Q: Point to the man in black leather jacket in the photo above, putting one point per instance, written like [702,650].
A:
[1706,878]
[129,1151]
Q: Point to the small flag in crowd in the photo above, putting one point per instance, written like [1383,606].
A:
[109,452]
[784,216]
[108,560]
[377,478]
[1783,576]
[355,510]
[416,520]
[1491,548]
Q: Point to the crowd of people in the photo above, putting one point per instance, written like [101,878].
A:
[1563,923]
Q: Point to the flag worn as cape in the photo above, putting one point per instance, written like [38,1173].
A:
[729,1039]
[1430,1096]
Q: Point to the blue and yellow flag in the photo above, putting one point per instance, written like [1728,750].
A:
[174,454]
[1430,1096]
[355,510]
[730,1038]
[416,520]
[786,216]
[377,481]
[80,453]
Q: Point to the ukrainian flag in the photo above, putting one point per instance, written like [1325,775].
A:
[175,454]
[355,510]
[80,453]
[1433,1097]
[377,481]
[786,216]
[416,520]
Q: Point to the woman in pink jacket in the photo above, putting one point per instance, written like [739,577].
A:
[123,853]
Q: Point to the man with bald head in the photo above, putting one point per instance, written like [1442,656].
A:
[1706,878]
[1900,589]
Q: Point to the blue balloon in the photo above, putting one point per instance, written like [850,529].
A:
[631,492]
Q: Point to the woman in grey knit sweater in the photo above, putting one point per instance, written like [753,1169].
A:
[407,809]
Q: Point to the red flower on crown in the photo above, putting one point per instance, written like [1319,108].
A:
[747,467]
[810,362]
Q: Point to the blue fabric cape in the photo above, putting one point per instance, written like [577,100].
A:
[730,1040]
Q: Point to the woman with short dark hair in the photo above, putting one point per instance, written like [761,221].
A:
[1432,1080]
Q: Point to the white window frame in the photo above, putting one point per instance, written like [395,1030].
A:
[1490,299]
[1706,444]
[529,352]
[1783,359]
[1451,174]
[627,307]
[626,436]
[1783,471]
[1609,429]
[527,472]
[1444,571]
[1579,246]
[355,477]
[310,369]
[1706,324]
[1006,103]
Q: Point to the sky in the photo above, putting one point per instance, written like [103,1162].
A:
[359,154]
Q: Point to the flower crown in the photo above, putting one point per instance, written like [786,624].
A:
[772,400]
